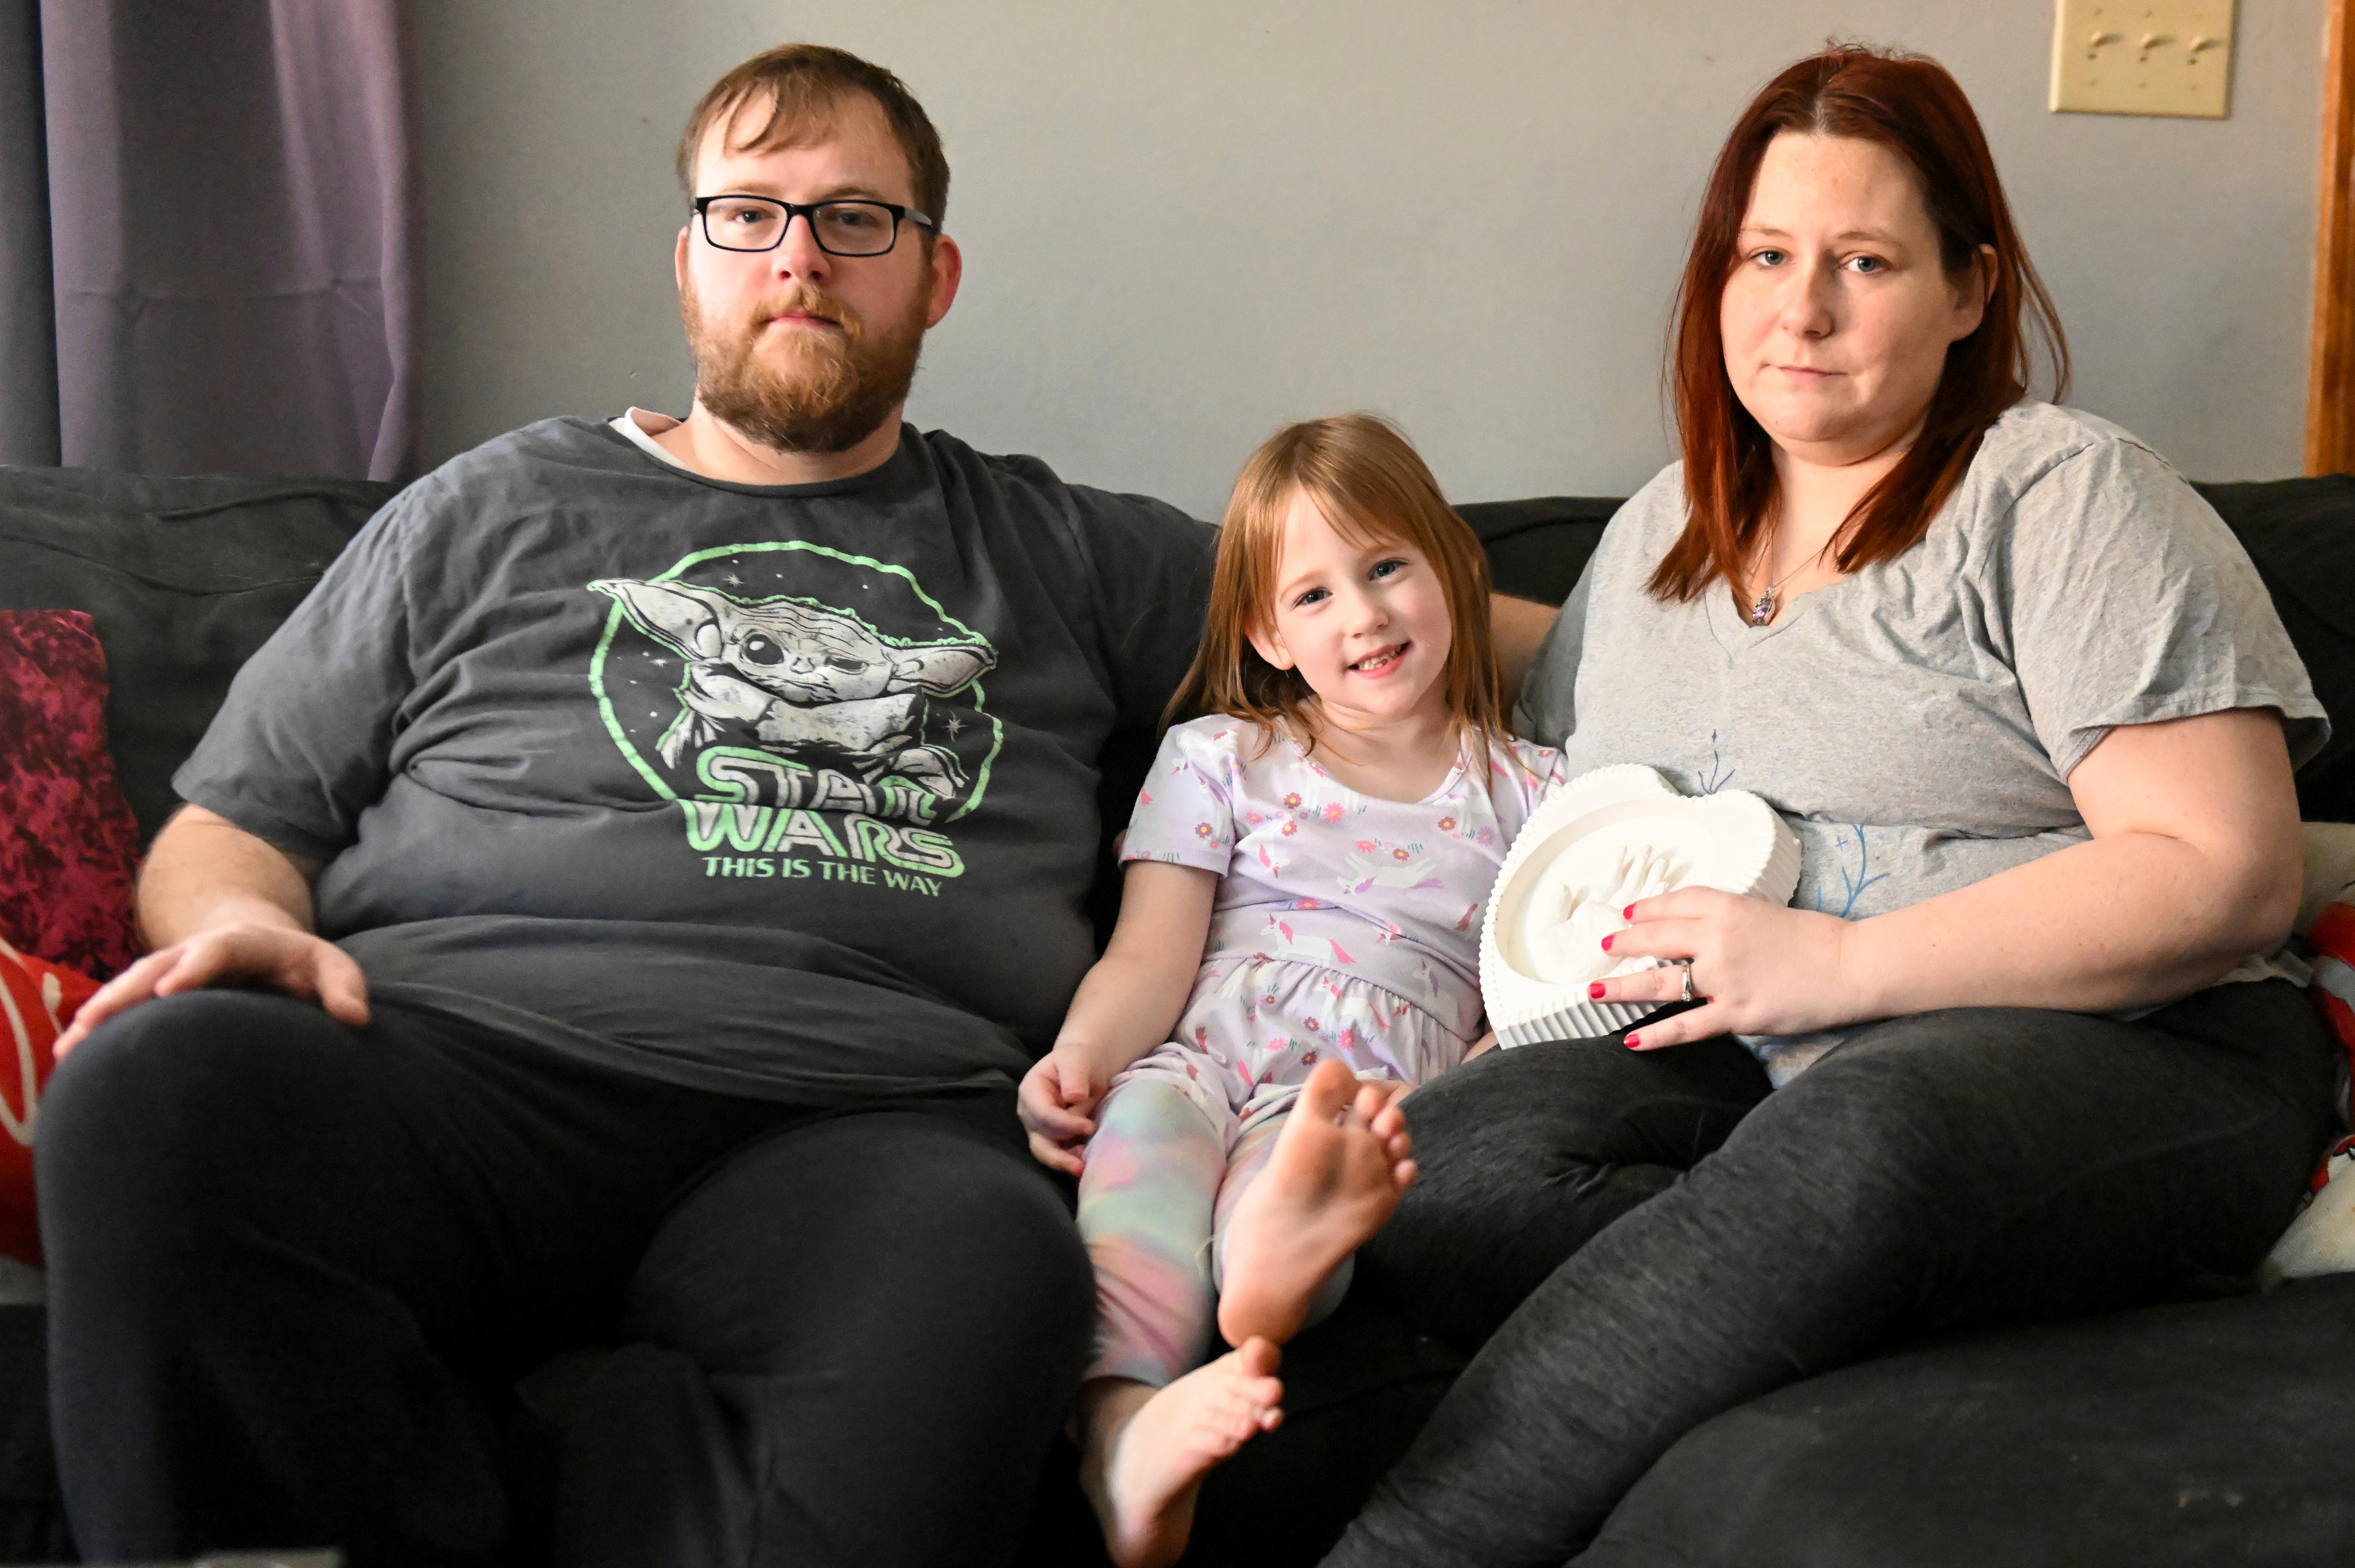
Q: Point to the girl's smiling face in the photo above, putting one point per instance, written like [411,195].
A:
[1364,621]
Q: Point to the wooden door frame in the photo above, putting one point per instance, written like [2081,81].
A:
[2330,373]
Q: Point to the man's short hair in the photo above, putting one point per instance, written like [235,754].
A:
[804,85]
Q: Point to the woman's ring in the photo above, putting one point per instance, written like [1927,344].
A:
[1686,996]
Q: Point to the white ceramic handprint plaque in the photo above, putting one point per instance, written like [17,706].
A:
[1603,841]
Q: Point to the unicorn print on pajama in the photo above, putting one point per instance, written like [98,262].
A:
[1344,926]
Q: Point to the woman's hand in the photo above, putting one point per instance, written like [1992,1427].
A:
[1764,968]
[1057,1103]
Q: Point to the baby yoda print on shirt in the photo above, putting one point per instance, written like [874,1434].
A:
[800,800]
[802,706]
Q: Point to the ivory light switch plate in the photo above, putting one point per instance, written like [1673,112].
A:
[2142,56]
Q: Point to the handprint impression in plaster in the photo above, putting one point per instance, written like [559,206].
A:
[1568,951]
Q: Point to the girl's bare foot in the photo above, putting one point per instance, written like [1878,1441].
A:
[1147,1449]
[1340,1166]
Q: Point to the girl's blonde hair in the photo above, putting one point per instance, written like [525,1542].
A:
[1368,481]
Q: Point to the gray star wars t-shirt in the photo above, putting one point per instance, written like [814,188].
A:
[783,791]
[1916,722]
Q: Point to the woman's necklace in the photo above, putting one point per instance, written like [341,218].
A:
[1761,609]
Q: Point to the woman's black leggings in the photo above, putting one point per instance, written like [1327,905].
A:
[1636,1242]
[296,1268]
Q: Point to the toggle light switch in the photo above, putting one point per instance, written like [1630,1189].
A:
[2142,56]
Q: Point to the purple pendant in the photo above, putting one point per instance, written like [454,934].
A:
[1763,611]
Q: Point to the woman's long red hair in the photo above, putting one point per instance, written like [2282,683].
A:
[1910,105]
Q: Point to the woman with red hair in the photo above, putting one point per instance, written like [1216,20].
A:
[2023,1044]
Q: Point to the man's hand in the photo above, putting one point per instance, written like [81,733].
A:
[225,908]
[295,962]
[1058,1099]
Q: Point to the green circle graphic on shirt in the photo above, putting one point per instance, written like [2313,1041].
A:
[789,674]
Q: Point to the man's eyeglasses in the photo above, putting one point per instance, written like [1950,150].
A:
[840,228]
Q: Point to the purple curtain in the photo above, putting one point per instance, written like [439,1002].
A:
[235,234]
[28,347]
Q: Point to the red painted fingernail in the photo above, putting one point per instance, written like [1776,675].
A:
[1606,945]
[1635,1041]
[1595,990]
[1627,913]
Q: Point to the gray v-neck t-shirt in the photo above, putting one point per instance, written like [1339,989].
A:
[1916,722]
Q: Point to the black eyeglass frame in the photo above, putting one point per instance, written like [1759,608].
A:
[807,211]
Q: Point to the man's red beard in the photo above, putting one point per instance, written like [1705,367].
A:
[817,390]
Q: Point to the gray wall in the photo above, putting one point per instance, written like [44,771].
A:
[1185,223]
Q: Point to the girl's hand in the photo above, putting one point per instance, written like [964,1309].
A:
[1057,1096]
[1763,968]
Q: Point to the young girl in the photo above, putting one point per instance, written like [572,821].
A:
[1298,944]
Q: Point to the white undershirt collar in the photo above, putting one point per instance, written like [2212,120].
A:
[633,427]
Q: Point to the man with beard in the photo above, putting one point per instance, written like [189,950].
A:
[607,927]
[608,924]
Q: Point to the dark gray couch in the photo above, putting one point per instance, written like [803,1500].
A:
[2192,1432]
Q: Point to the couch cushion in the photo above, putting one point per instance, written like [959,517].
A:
[185,579]
[2220,1431]
[67,843]
[2301,533]
[32,1516]
[1537,547]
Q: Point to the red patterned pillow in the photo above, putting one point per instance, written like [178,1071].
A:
[69,843]
[36,1001]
